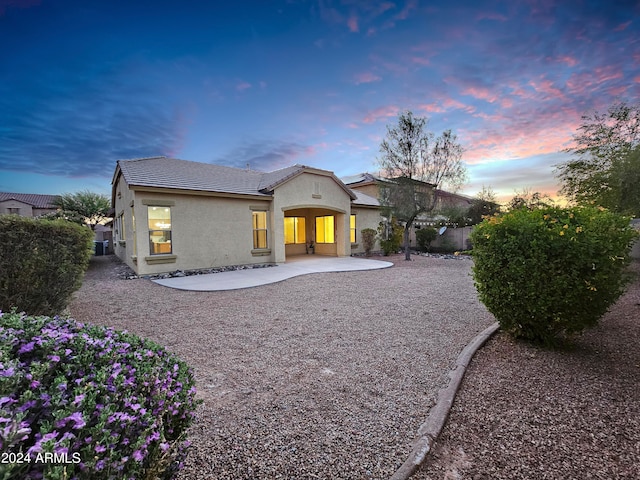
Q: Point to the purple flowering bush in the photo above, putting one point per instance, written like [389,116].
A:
[79,401]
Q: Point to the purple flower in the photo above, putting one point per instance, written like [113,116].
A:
[53,358]
[9,372]
[138,455]
[27,347]
[164,446]
[100,448]
[76,418]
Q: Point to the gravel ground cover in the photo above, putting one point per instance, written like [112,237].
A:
[528,413]
[324,376]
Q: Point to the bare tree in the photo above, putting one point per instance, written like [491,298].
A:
[416,164]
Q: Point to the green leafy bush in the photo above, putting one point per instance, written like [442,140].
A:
[368,240]
[552,271]
[87,402]
[424,237]
[42,263]
[390,236]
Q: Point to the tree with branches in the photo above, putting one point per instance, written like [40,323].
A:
[415,164]
[605,168]
[91,207]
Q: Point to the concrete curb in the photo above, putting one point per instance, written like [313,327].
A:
[431,428]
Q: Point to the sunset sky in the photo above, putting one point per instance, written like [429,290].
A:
[274,83]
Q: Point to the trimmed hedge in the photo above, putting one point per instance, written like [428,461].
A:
[553,271]
[82,402]
[42,263]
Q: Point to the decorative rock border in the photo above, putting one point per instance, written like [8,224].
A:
[431,428]
[130,274]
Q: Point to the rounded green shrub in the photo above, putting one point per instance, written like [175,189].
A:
[424,237]
[550,272]
[86,402]
[42,262]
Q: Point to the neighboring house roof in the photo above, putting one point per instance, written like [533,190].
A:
[361,178]
[33,199]
[164,172]
[365,200]
[453,198]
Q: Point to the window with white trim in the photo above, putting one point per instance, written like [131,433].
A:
[159,230]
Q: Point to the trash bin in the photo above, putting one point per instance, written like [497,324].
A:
[99,248]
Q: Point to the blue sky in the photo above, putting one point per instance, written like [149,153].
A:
[274,83]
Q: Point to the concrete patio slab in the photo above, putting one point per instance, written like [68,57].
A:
[254,277]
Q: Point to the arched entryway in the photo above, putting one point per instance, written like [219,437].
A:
[314,231]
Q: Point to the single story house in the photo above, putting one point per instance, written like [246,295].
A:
[175,214]
[27,204]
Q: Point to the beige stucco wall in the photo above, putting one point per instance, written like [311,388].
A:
[321,194]
[211,231]
[370,189]
[365,218]
[206,232]
[26,210]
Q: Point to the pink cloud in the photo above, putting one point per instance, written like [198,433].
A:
[430,108]
[381,113]
[491,16]
[572,62]
[242,86]
[480,93]
[404,13]
[366,77]
[421,61]
[352,23]
[622,26]
[546,87]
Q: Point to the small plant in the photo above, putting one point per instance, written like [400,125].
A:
[86,402]
[548,272]
[368,240]
[390,236]
[424,237]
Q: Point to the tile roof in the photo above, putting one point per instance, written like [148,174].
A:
[186,175]
[33,199]
[173,173]
[360,178]
[365,200]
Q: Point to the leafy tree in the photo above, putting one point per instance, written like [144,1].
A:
[416,164]
[484,205]
[455,215]
[605,160]
[526,200]
[91,207]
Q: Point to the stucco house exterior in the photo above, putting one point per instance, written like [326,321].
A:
[173,214]
[26,204]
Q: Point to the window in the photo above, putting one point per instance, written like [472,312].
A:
[352,228]
[133,231]
[13,211]
[159,230]
[259,230]
[325,232]
[294,230]
[121,234]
